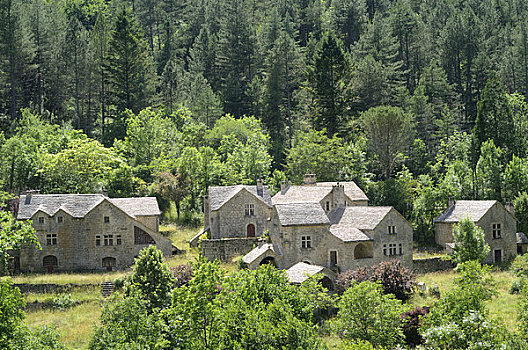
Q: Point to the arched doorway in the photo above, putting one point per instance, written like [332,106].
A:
[250,230]
[362,251]
[109,263]
[268,260]
[50,263]
[327,283]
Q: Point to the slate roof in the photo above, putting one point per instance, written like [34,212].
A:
[361,218]
[315,193]
[474,209]
[521,238]
[78,205]
[257,252]
[300,272]
[219,195]
[293,214]
[346,233]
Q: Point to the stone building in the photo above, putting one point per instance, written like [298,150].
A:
[332,227]
[234,218]
[89,231]
[496,220]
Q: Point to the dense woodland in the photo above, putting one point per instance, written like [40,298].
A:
[415,100]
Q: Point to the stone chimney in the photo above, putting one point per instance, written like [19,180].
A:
[260,187]
[338,196]
[285,184]
[309,179]
[509,207]
[29,195]
[450,202]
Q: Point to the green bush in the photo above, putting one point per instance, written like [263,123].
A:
[517,285]
[469,242]
[63,302]
[519,266]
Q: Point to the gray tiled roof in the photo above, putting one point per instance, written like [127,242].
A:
[361,218]
[521,238]
[301,214]
[257,252]
[474,209]
[347,233]
[137,206]
[300,272]
[78,205]
[219,195]
[315,193]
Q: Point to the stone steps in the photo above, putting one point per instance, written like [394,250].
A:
[107,288]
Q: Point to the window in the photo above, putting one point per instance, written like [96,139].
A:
[118,239]
[106,219]
[250,209]
[327,206]
[333,257]
[59,219]
[392,249]
[496,229]
[97,240]
[141,237]
[391,230]
[306,242]
[108,239]
[51,239]
[41,221]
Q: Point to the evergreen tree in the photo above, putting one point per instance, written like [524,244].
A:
[127,66]
[328,82]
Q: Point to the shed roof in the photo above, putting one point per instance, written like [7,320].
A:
[301,271]
[361,218]
[473,208]
[79,205]
[521,238]
[219,195]
[257,252]
[293,214]
[347,233]
[315,193]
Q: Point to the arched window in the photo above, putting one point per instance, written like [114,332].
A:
[268,260]
[250,230]
[109,263]
[50,262]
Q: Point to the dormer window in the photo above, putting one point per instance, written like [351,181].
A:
[249,209]
[59,219]
[41,220]
[391,230]
[496,230]
[106,219]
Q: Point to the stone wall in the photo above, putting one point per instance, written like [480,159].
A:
[431,265]
[227,248]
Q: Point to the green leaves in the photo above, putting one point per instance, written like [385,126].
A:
[469,242]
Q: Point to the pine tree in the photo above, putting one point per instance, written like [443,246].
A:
[328,82]
[127,66]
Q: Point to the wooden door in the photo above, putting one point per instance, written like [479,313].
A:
[498,255]
[251,230]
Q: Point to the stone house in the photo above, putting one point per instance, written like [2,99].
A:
[89,231]
[496,220]
[234,217]
[332,229]
[522,243]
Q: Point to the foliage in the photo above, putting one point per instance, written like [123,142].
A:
[469,242]
[11,314]
[522,312]
[63,301]
[520,203]
[367,314]
[46,338]
[394,278]
[151,279]
[519,266]
[412,321]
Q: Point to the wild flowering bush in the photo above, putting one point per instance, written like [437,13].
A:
[182,274]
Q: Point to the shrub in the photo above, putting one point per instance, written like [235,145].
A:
[119,282]
[346,279]
[365,313]
[182,274]
[412,322]
[394,278]
[469,242]
[519,266]
[11,314]
[517,285]
[63,302]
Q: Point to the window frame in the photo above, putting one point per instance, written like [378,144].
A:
[119,240]
[306,242]
[392,230]
[249,209]
[496,230]
[108,240]
[51,239]
[41,220]
[97,240]
[60,219]
[106,219]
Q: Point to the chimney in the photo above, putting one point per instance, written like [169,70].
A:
[450,202]
[29,195]
[309,179]
[338,196]
[509,207]
[285,184]
[260,187]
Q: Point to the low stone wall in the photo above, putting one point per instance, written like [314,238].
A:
[49,287]
[226,249]
[431,265]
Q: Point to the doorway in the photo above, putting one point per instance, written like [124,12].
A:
[250,230]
